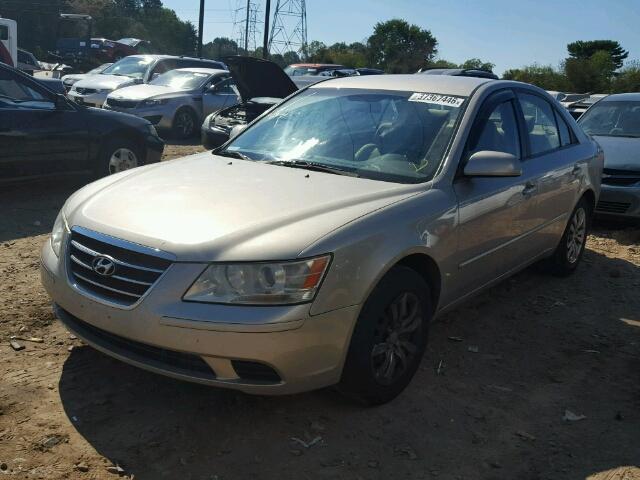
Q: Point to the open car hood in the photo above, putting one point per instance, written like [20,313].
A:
[259,78]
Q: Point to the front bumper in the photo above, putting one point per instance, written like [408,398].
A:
[213,137]
[306,352]
[619,201]
[161,117]
[154,149]
[90,100]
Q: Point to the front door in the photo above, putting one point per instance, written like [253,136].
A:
[38,137]
[492,210]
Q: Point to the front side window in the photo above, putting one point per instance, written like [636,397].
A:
[134,67]
[497,133]
[540,123]
[612,119]
[14,94]
[392,136]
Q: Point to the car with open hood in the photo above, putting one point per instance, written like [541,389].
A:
[316,246]
[132,70]
[261,84]
[614,121]
[177,101]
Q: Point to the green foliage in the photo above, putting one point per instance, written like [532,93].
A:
[398,47]
[352,55]
[591,74]
[584,50]
[220,47]
[544,76]
[477,64]
[628,80]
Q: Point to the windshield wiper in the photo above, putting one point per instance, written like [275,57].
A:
[316,167]
[232,154]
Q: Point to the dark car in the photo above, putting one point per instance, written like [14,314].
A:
[369,71]
[42,133]
[460,72]
[261,84]
[302,69]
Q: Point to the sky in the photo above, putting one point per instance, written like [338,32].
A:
[508,33]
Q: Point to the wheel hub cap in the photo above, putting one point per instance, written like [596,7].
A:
[122,159]
[576,235]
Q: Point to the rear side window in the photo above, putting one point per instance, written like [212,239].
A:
[497,133]
[563,130]
[4,32]
[540,123]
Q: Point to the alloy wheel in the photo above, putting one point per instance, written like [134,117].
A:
[122,159]
[576,235]
[395,340]
[184,123]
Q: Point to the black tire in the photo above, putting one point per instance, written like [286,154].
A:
[363,377]
[109,149]
[566,258]
[185,124]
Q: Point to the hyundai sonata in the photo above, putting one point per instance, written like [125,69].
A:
[315,247]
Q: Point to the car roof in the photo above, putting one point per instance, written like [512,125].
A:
[623,97]
[316,65]
[210,71]
[154,56]
[441,84]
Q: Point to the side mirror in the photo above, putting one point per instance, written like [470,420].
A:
[492,164]
[212,89]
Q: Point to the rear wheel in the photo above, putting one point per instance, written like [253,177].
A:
[389,338]
[569,252]
[185,124]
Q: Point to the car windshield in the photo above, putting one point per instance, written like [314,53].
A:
[394,136]
[612,119]
[134,67]
[181,80]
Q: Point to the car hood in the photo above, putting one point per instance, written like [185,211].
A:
[210,208]
[620,153]
[144,91]
[101,81]
[259,78]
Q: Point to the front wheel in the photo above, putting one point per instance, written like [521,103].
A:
[569,252]
[117,156]
[389,339]
[185,124]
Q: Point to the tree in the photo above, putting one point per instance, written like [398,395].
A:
[544,76]
[477,64]
[398,47]
[593,74]
[220,47]
[584,50]
[628,80]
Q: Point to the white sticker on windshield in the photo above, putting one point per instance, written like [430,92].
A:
[437,99]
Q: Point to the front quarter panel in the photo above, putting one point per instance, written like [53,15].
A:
[365,249]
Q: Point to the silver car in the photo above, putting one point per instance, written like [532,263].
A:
[92,90]
[315,247]
[614,122]
[177,100]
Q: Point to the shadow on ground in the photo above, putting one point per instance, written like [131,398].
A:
[488,401]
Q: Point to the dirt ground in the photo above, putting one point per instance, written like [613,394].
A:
[488,402]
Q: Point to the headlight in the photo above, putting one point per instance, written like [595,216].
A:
[104,90]
[57,234]
[274,283]
[153,103]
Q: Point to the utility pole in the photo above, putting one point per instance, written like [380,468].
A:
[200,28]
[265,43]
[246,29]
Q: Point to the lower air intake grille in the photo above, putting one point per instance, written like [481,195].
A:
[169,360]
[255,372]
[612,207]
[114,270]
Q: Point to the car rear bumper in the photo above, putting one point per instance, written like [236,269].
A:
[619,201]
[281,350]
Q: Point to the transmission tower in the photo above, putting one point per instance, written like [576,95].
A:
[246,21]
[289,30]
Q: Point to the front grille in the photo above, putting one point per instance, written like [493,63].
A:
[118,103]
[612,207]
[85,91]
[135,268]
[169,360]
[620,178]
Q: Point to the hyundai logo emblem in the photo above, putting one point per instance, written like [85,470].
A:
[104,266]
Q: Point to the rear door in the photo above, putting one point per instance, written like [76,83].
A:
[554,166]
[37,137]
[491,209]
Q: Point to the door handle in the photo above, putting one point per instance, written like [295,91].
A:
[529,188]
[576,169]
